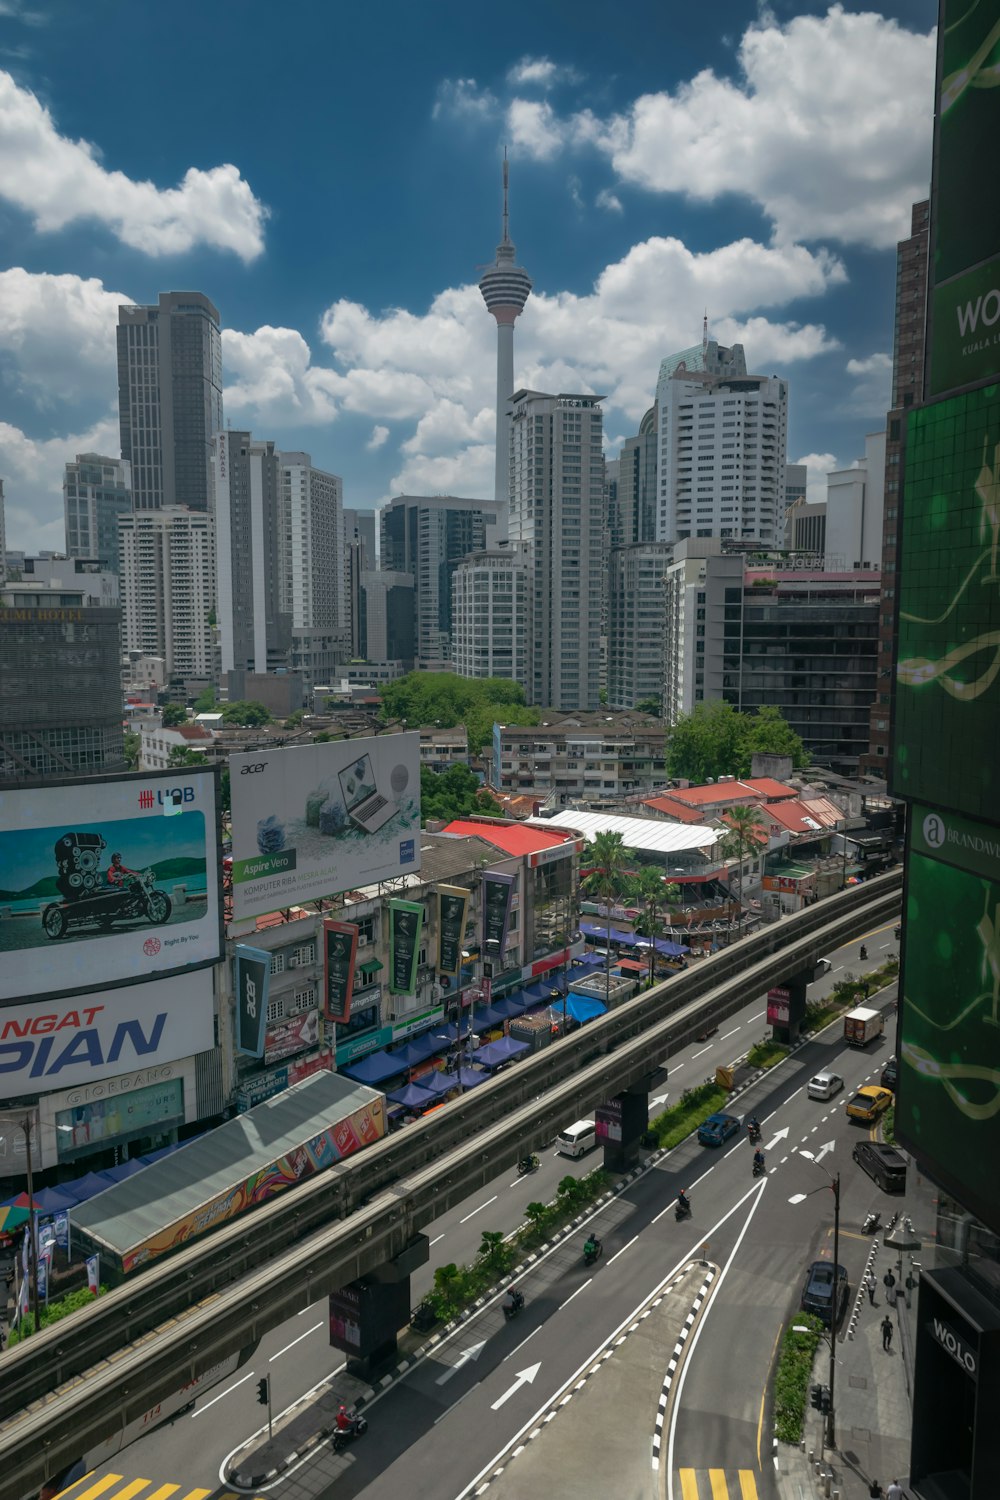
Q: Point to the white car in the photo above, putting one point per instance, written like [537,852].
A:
[824,1085]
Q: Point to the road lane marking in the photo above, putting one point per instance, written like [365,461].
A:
[521,1345]
[439,1237]
[320,1324]
[207,1404]
[98,1488]
[479,1209]
[717,1479]
[695,1055]
[526,1377]
[461,1398]
[689,1485]
[748,1485]
[729,1034]
[579,1289]
[623,1249]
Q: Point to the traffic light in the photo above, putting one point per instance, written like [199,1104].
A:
[816,1397]
[263,1390]
[826,1406]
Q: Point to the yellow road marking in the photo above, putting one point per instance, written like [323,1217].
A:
[98,1488]
[717,1479]
[163,1493]
[689,1484]
[748,1485]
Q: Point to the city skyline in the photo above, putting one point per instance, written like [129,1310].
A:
[645,188]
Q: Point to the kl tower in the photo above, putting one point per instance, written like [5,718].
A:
[505,288]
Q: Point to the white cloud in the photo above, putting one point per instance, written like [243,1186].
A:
[464,98]
[828,129]
[57,334]
[269,378]
[33,474]
[871,386]
[377,439]
[819,466]
[610,201]
[541,72]
[59,182]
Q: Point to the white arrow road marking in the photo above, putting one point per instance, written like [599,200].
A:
[660,1099]
[473,1352]
[823,1151]
[779,1135]
[526,1377]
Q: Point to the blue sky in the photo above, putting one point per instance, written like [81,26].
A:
[329,175]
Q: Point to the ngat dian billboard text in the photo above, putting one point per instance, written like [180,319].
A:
[313,820]
[107,882]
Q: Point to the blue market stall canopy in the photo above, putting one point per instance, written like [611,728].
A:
[438,1083]
[664,946]
[589,960]
[495,1054]
[375,1068]
[466,1078]
[617,934]
[411,1097]
[584,1008]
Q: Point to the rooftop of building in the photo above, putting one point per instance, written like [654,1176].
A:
[597,721]
[637,833]
[804,815]
[512,838]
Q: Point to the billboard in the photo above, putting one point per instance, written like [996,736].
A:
[253,980]
[107,882]
[453,906]
[497,892]
[965,264]
[405,921]
[947,691]
[948,1096]
[313,820]
[340,952]
[69,1042]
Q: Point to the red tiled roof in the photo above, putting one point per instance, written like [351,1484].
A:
[719,791]
[799,817]
[512,838]
[768,787]
[673,809]
[194,732]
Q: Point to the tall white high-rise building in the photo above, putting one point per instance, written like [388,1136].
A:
[254,631]
[557,508]
[170,398]
[168,584]
[723,438]
[635,622]
[491,614]
[428,536]
[96,491]
[505,288]
[311,567]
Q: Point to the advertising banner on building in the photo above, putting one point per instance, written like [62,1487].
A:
[778,1001]
[297,1034]
[453,906]
[313,820]
[59,1044]
[965,255]
[265,1085]
[497,893]
[253,980]
[116,880]
[405,921]
[949,1044]
[947,693]
[340,952]
[119,1117]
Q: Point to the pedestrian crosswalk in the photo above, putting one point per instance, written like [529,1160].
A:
[718,1484]
[118,1487]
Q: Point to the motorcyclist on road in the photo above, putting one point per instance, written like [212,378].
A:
[345,1422]
[863,952]
[117,872]
[753,1127]
[758,1161]
[513,1300]
[592,1246]
[683,1202]
[528,1163]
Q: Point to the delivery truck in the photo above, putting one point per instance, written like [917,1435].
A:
[862,1025]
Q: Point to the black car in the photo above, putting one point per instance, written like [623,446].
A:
[889,1075]
[817,1294]
[883,1165]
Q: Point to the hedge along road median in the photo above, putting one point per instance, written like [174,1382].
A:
[793,1375]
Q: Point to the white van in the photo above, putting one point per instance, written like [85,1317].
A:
[577,1139]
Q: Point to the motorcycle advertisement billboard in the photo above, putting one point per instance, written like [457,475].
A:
[253,979]
[313,820]
[107,881]
[71,1042]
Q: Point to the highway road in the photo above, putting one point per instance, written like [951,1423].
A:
[446,1427]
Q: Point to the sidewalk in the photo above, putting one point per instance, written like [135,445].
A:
[873,1413]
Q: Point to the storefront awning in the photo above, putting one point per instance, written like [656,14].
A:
[585,1008]
[370,966]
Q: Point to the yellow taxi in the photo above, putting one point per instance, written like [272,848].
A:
[868,1103]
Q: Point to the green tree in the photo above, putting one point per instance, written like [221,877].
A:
[249,715]
[654,893]
[768,734]
[443,699]
[715,740]
[294,720]
[650,705]
[172,715]
[205,703]
[454,793]
[743,836]
[608,878]
[183,755]
[132,744]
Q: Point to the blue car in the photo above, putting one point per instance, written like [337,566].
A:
[717,1129]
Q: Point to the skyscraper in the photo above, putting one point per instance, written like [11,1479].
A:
[723,438]
[311,552]
[428,535]
[168,583]
[557,508]
[505,288]
[254,631]
[170,398]
[491,614]
[96,491]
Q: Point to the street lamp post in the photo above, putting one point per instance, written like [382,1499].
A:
[31,1229]
[835,1185]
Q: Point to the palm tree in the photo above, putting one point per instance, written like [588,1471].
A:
[650,888]
[607,879]
[745,826]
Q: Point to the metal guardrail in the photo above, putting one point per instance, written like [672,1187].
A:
[306,1255]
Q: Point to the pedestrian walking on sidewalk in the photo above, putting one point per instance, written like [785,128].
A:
[895,1491]
[870,1287]
[886,1332]
[888,1281]
[875,1490]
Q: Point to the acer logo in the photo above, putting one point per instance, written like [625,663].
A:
[252,770]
